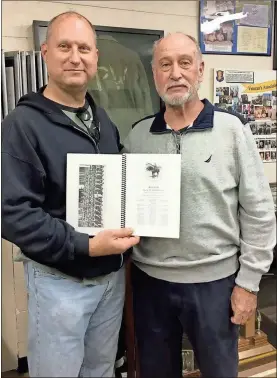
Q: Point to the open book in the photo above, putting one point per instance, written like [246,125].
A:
[141,191]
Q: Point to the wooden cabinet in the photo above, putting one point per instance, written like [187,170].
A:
[14,309]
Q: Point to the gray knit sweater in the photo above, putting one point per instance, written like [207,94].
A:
[227,210]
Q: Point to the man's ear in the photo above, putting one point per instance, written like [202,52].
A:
[201,71]
[43,50]
[154,72]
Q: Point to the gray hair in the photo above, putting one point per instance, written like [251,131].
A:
[68,14]
[156,44]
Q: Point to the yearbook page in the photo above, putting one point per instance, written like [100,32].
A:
[153,184]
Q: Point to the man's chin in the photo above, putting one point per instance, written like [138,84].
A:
[176,101]
[76,83]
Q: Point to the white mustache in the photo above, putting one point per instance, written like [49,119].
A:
[178,85]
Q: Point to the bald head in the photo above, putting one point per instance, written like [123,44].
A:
[180,37]
[63,16]
[177,68]
[70,52]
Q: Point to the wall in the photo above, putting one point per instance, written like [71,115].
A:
[170,16]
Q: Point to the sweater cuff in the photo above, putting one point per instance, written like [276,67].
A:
[249,279]
[81,244]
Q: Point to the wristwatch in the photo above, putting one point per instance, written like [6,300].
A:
[249,290]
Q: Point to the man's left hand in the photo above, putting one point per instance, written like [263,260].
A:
[243,304]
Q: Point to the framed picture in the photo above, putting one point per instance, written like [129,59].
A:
[124,84]
[39,33]
[236,27]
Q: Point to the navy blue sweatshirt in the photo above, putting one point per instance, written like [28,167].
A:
[36,138]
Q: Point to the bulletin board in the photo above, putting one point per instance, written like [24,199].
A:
[238,27]
[253,95]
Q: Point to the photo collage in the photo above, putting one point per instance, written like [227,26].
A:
[253,95]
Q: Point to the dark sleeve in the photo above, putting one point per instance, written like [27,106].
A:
[24,222]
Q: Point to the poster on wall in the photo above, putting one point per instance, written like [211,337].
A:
[253,95]
[236,27]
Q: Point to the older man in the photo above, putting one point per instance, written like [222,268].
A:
[205,283]
[75,283]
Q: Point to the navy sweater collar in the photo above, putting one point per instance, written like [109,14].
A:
[204,120]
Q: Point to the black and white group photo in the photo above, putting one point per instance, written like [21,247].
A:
[263,128]
[265,136]
[91,191]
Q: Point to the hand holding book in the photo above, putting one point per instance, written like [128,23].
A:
[112,242]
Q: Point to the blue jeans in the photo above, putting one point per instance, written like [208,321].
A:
[73,327]
[164,310]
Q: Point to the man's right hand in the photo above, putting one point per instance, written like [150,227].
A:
[112,242]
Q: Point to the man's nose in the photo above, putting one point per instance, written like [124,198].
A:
[176,72]
[75,56]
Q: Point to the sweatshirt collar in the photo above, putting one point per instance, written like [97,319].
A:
[53,110]
[204,120]
[52,107]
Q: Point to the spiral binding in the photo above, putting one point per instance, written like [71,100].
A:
[123,192]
